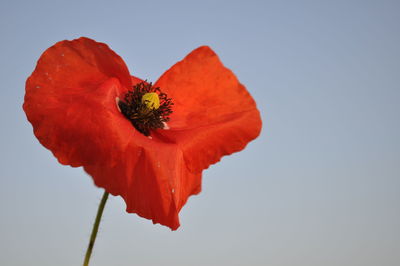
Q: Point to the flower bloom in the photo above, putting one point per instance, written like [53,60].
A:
[83,105]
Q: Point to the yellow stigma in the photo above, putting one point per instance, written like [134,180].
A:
[151,100]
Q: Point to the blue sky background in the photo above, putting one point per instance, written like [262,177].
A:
[320,186]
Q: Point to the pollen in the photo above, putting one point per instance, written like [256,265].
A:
[151,100]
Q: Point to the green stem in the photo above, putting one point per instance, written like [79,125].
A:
[95,228]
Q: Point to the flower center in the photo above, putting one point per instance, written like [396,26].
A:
[146,107]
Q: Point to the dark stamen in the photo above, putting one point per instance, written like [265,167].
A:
[143,118]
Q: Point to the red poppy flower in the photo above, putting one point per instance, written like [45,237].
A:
[153,159]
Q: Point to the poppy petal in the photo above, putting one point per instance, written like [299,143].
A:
[157,181]
[214,115]
[70,90]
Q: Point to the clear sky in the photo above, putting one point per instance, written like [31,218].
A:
[320,186]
